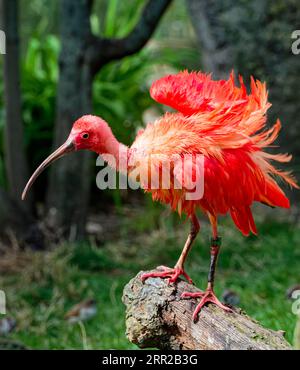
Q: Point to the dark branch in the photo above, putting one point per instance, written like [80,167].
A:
[102,51]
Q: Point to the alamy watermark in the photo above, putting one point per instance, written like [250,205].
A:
[2,43]
[296,44]
[2,303]
[296,303]
[184,174]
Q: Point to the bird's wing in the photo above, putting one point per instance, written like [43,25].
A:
[194,92]
[232,119]
[237,171]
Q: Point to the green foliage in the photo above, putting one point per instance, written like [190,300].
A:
[121,18]
[39,81]
[39,75]
[116,18]
[90,258]
[38,18]
[121,94]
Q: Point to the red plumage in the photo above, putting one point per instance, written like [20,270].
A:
[225,124]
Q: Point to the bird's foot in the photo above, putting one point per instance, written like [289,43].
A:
[172,274]
[206,297]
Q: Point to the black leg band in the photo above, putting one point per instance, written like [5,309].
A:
[216,242]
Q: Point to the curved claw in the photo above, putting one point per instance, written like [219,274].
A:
[206,297]
[166,272]
[191,295]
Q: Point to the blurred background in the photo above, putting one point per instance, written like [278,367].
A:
[71,243]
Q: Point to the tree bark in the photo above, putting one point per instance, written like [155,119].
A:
[69,181]
[15,158]
[157,317]
[215,54]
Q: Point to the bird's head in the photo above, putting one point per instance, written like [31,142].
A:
[88,132]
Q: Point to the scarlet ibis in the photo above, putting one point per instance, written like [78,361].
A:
[222,122]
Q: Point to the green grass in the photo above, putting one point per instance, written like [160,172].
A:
[260,269]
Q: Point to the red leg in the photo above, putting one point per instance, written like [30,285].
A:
[173,274]
[209,296]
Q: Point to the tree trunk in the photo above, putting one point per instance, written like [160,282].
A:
[215,54]
[157,317]
[15,158]
[69,182]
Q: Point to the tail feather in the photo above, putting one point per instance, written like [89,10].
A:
[274,196]
[251,221]
[243,219]
[264,159]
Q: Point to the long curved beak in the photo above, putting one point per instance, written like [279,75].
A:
[66,148]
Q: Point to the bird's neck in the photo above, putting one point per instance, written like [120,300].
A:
[114,152]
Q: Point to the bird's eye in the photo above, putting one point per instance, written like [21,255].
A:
[85,135]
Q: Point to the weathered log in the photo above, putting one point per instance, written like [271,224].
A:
[157,317]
